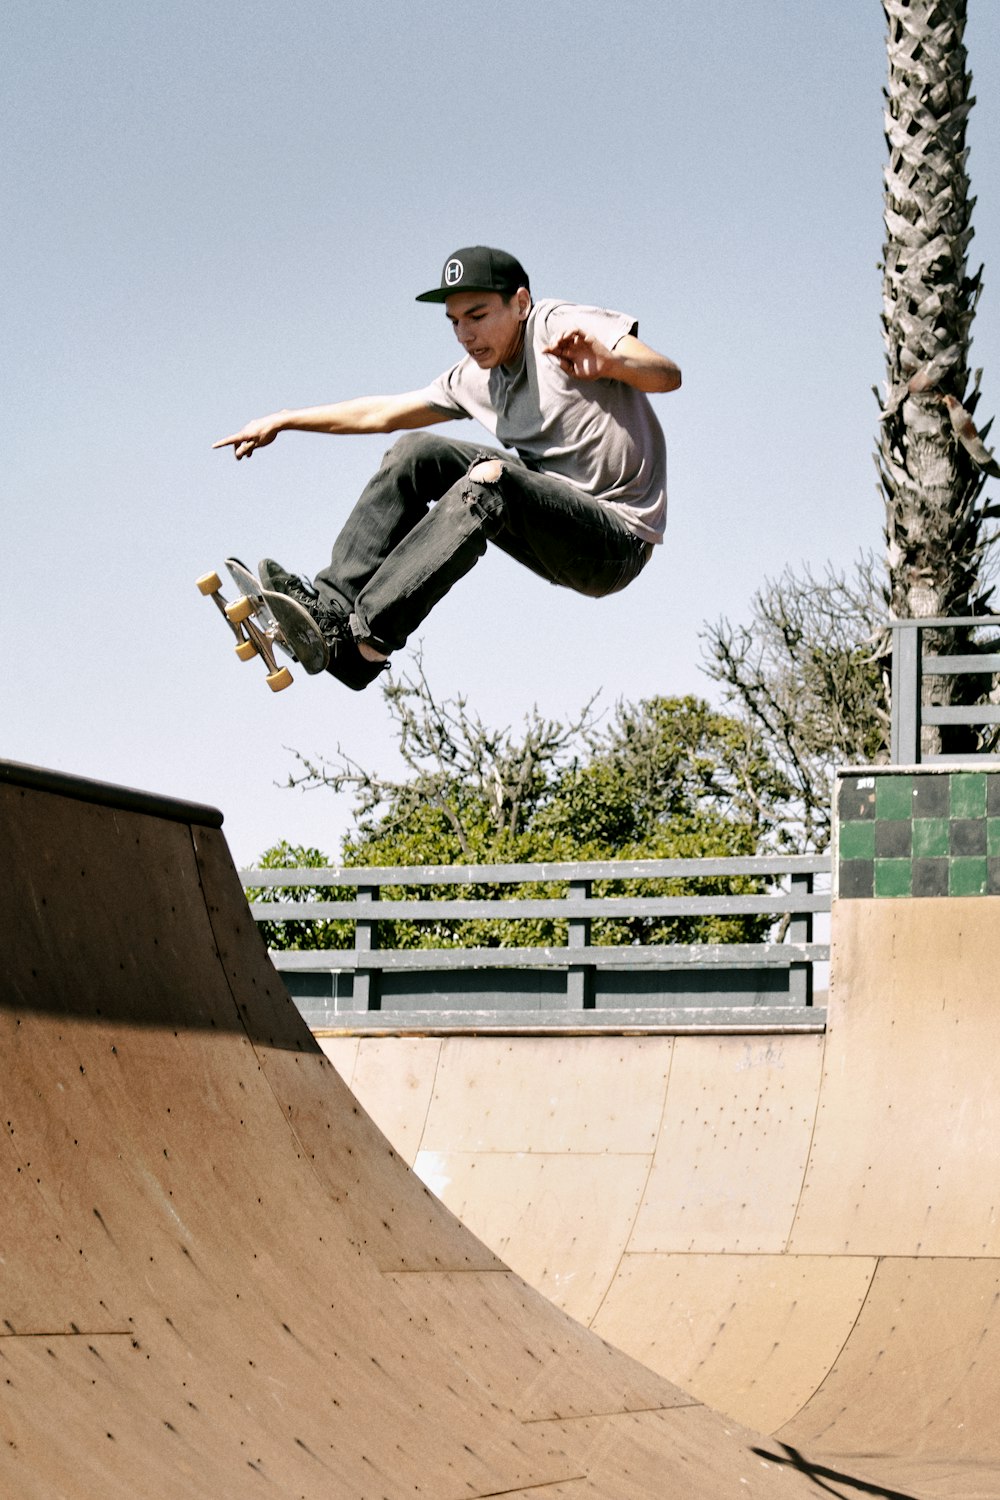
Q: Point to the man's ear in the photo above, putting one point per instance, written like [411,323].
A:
[523,297]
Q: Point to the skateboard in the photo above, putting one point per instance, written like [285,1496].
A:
[261,621]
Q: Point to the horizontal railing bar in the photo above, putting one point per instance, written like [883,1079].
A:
[941,622]
[969,759]
[983,713]
[624,869]
[706,1020]
[957,666]
[621,907]
[634,956]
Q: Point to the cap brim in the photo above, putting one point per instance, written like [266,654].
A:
[442,293]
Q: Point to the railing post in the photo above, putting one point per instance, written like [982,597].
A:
[366,981]
[800,930]
[579,977]
[906,650]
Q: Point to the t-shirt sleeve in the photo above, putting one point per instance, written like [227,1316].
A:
[601,322]
[445,393]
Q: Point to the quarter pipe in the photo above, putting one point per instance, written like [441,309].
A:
[803,1230]
[217,1279]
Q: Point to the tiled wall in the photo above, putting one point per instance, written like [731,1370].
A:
[918,833]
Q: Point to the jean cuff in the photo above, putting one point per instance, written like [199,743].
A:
[360,634]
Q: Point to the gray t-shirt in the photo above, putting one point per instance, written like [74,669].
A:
[601,435]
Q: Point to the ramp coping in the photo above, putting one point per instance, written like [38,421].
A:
[129,799]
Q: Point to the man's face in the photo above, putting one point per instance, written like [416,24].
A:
[488,328]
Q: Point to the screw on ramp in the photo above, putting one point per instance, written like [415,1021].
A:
[217,1279]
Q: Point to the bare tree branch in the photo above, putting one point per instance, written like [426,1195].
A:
[807,675]
[452,761]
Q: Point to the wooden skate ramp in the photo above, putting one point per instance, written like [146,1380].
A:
[216,1277]
[801,1230]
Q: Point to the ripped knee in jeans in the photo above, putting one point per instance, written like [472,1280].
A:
[481,492]
[486,470]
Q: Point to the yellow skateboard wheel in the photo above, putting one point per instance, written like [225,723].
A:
[241,609]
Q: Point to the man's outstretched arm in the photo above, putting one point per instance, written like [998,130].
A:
[630,361]
[364,414]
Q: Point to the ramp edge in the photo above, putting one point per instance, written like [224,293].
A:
[107,794]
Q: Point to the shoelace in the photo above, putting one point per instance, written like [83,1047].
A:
[331,622]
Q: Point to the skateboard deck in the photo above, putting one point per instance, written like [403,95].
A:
[262,620]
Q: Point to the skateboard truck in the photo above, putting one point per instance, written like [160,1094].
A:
[252,639]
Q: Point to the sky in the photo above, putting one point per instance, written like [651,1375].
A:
[211,210]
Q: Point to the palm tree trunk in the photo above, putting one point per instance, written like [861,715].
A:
[935,531]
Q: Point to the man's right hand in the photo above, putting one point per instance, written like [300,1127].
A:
[254,435]
[364,414]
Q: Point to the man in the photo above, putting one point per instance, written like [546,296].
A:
[582,500]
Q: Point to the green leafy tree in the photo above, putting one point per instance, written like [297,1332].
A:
[459,774]
[670,778]
[277,934]
[666,778]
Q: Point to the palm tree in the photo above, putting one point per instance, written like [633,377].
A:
[932,462]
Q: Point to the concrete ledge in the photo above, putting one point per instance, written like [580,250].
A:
[710,1021]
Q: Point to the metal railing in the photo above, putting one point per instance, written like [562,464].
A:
[909,668]
[579,983]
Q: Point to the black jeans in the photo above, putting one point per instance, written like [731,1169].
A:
[422,523]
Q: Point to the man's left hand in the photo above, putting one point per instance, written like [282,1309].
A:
[581,355]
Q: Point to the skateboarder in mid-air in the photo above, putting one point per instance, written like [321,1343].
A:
[581,500]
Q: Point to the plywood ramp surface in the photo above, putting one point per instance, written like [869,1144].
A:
[217,1277]
[758,1333]
[801,1231]
[905,1166]
[907,1148]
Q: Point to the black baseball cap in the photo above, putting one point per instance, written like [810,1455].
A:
[478,268]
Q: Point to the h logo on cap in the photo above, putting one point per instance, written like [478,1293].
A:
[453,271]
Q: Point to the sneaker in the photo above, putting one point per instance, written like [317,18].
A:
[278,580]
[350,667]
[345,660]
